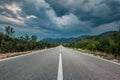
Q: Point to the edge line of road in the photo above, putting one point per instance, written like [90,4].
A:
[23,55]
[88,54]
[101,58]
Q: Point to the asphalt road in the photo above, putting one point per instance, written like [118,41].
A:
[58,63]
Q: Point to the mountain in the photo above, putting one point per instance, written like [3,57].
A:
[73,39]
[107,33]
[60,40]
[63,40]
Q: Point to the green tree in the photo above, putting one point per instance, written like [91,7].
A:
[34,37]
[9,31]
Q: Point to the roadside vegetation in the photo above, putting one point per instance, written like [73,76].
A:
[9,43]
[105,45]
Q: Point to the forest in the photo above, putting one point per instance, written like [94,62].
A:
[105,43]
[9,43]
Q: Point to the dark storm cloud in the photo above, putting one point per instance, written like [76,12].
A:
[60,18]
[97,12]
[28,8]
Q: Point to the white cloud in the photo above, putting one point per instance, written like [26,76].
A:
[38,4]
[41,3]
[31,16]
[63,21]
[14,20]
[106,27]
[66,20]
[1,7]
[10,19]
[14,8]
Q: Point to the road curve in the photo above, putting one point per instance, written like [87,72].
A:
[43,65]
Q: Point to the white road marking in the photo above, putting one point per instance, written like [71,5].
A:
[91,55]
[60,69]
[102,59]
[98,57]
[60,50]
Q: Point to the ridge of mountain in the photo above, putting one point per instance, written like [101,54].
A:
[73,39]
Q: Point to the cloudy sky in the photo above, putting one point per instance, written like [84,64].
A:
[60,18]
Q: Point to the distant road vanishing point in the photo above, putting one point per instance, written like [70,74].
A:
[58,63]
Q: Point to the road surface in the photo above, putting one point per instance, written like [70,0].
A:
[58,63]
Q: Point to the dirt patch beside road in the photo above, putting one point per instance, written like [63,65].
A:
[6,55]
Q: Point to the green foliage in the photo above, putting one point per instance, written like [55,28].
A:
[23,43]
[9,30]
[106,43]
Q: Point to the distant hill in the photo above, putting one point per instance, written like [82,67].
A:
[73,39]
[107,33]
[60,40]
[63,40]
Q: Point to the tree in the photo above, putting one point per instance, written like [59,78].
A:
[34,37]
[92,45]
[9,31]
[26,37]
[23,43]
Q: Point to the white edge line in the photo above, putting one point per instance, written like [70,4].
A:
[91,55]
[101,58]
[60,69]
[21,55]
